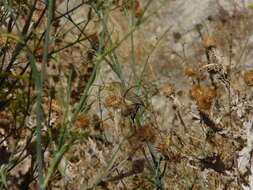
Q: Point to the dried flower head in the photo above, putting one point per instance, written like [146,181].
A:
[133,5]
[248,78]
[3,40]
[204,103]
[146,133]
[113,101]
[209,42]
[38,51]
[196,92]
[168,90]
[190,72]
[6,119]
[203,96]
[138,10]
[83,121]
[56,107]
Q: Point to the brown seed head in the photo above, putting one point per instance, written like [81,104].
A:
[168,90]
[196,92]
[204,103]
[113,100]
[248,78]
[38,51]
[83,121]
[3,40]
[190,72]
[141,135]
[56,107]
[209,42]
[203,96]
[146,133]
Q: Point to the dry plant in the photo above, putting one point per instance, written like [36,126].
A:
[89,101]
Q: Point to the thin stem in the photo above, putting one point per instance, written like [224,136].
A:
[39,86]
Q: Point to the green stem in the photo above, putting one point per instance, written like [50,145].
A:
[55,162]
[39,87]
